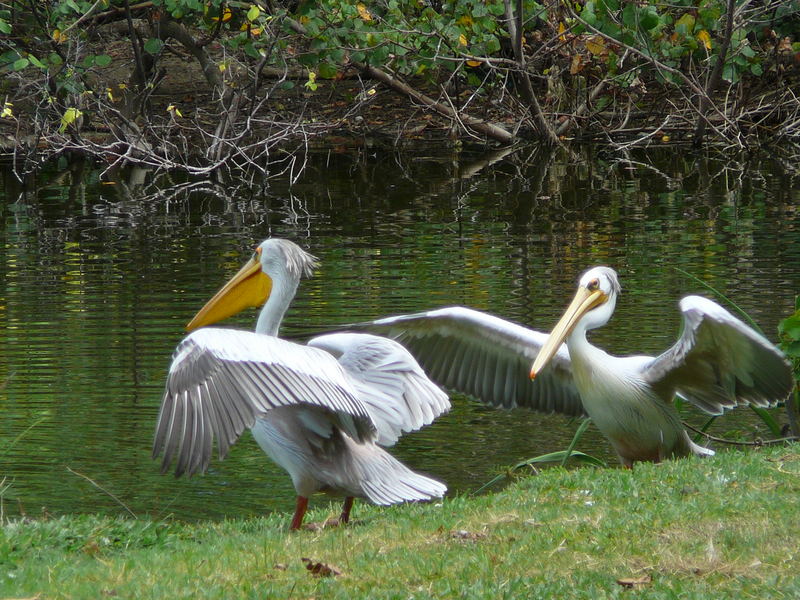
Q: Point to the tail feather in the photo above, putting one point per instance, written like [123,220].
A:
[385,480]
[701,450]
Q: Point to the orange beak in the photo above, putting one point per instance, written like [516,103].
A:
[584,301]
[249,287]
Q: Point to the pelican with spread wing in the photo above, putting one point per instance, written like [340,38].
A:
[321,411]
[716,363]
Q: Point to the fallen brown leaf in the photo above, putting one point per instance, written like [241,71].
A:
[631,582]
[577,64]
[320,569]
[463,534]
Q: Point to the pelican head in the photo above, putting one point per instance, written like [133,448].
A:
[591,307]
[274,269]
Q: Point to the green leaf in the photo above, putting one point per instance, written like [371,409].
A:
[153,45]
[20,64]
[496,8]
[4,27]
[6,58]
[793,349]
[379,56]
[251,50]
[492,45]
[602,102]
[629,16]
[768,420]
[574,442]
[610,28]
[612,61]
[336,56]
[253,13]
[790,327]
[102,60]
[685,25]
[327,70]
[553,457]
[319,43]
[650,18]
[308,59]
[728,74]
[69,117]
[36,62]
[487,24]
[709,16]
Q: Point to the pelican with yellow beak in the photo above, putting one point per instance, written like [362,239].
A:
[716,363]
[321,411]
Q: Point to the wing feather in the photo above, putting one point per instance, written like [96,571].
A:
[390,383]
[221,380]
[221,421]
[483,356]
[719,362]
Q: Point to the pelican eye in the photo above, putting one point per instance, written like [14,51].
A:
[593,285]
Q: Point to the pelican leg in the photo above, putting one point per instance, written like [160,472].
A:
[299,512]
[348,504]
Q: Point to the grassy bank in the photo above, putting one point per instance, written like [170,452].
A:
[723,527]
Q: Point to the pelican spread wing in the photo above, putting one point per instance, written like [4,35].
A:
[319,411]
[719,362]
[387,379]
[483,356]
[221,380]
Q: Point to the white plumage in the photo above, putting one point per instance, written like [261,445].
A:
[320,411]
[716,363]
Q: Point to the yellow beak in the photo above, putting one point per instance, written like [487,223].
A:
[584,301]
[249,287]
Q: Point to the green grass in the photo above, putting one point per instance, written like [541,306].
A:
[723,527]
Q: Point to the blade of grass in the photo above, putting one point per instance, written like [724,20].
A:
[105,491]
[703,428]
[559,456]
[20,436]
[769,420]
[578,433]
[5,383]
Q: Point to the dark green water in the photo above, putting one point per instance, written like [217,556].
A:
[101,273]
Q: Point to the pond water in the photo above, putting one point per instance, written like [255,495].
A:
[101,271]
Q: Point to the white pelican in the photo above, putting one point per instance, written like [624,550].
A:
[319,411]
[717,363]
